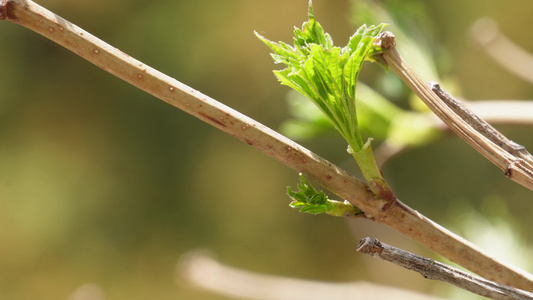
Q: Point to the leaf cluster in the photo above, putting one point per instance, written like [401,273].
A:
[309,200]
[327,74]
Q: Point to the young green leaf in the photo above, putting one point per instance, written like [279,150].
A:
[327,75]
[309,200]
[324,73]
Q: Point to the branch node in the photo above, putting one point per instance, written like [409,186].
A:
[509,171]
[387,40]
[370,246]
[6,10]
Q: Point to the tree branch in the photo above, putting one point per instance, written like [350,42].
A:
[519,169]
[497,112]
[480,125]
[435,270]
[399,217]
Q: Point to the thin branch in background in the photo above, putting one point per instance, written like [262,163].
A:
[502,50]
[399,217]
[435,270]
[515,168]
[203,272]
[504,112]
[88,291]
[387,150]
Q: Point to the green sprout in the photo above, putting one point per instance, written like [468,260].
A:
[311,201]
[327,75]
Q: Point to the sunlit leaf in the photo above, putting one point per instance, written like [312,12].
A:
[326,74]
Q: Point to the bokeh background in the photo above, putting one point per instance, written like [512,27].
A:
[102,184]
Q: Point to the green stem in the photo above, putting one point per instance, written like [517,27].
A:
[365,159]
[344,209]
[372,173]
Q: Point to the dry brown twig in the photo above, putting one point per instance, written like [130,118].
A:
[480,125]
[517,167]
[497,112]
[399,217]
[435,270]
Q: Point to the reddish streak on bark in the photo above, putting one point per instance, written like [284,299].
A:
[212,119]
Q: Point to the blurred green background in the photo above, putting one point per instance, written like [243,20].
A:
[102,183]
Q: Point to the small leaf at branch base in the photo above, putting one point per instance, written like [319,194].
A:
[309,200]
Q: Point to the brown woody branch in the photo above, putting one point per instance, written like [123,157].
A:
[399,217]
[435,270]
[516,168]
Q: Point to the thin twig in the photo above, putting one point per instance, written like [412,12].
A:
[435,270]
[515,168]
[481,125]
[399,217]
[497,112]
